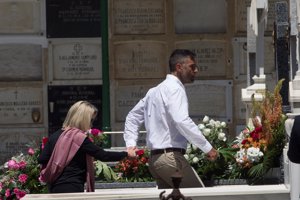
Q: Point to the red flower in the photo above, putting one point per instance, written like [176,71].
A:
[95,132]
[140,152]
[44,141]
[244,141]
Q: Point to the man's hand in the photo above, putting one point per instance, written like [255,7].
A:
[212,154]
[131,152]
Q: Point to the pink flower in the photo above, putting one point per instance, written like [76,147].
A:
[1,185]
[7,193]
[30,151]
[22,164]
[41,179]
[23,178]
[95,132]
[12,164]
[19,193]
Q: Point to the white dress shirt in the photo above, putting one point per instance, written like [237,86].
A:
[164,111]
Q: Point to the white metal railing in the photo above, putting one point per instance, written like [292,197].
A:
[119,132]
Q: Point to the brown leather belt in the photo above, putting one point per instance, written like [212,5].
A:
[161,151]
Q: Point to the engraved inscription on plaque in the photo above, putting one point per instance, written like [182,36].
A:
[17,60]
[211,98]
[205,16]
[126,97]
[17,140]
[20,105]
[61,98]
[76,60]
[139,60]
[138,17]
[73,18]
[210,56]
[20,16]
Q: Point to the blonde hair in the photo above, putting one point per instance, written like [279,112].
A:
[80,116]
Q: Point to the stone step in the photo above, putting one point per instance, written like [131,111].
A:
[225,192]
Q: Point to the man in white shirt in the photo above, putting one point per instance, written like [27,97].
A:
[164,112]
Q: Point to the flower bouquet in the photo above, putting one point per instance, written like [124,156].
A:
[135,169]
[20,175]
[261,143]
[214,131]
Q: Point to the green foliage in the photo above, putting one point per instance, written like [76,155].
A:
[214,131]
[104,172]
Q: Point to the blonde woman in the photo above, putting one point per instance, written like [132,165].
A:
[67,157]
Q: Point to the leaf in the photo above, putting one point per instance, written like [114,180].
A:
[228,153]
[106,172]
[99,167]
[257,171]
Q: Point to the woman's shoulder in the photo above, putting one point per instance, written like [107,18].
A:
[55,135]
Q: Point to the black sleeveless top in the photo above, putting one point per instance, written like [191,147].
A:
[294,143]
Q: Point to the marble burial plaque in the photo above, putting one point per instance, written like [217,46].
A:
[21,105]
[17,60]
[269,57]
[20,17]
[241,14]
[73,18]
[139,60]
[75,60]
[126,97]
[240,57]
[61,98]
[17,140]
[211,98]
[239,105]
[298,8]
[138,17]
[205,16]
[210,56]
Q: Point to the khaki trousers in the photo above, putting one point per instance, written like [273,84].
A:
[163,167]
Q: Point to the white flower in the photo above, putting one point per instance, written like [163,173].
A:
[212,123]
[188,149]
[195,160]
[194,147]
[218,124]
[206,131]
[223,124]
[192,156]
[205,119]
[222,136]
[201,127]
[186,156]
[253,154]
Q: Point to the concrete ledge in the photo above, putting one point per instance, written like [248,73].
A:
[233,192]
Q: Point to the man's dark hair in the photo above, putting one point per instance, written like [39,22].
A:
[178,56]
